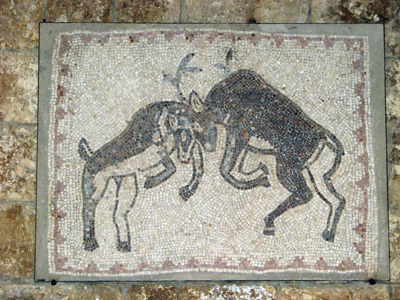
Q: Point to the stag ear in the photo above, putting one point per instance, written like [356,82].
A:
[173,122]
[195,101]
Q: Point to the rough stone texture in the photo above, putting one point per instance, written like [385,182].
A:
[286,11]
[17,240]
[394,190]
[219,11]
[392,28]
[78,10]
[152,292]
[203,292]
[393,112]
[392,37]
[18,86]
[395,292]
[348,11]
[159,11]
[340,293]
[19,23]
[60,291]
[17,163]
[362,11]
[394,236]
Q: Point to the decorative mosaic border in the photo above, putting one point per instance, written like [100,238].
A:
[361,89]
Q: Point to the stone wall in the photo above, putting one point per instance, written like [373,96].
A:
[19,23]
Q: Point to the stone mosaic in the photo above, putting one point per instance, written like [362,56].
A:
[176,151]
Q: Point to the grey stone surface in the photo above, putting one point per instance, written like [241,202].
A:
[77,291]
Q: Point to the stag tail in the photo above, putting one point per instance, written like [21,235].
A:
[84,150]
[338,144]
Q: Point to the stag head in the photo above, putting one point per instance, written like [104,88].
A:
[203,130]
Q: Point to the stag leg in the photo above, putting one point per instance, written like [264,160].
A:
[293,180]
[329,233]
[318,189]
[169,170]
[126,194]
[326,191]
[261,169]
[198,169]
[234,146]
[93,190]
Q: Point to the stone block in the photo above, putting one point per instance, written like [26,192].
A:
[287,11]
[394,190]
[349,11]
[18,86]
[17,240]
[393,113]
[395,292]
[147,292]
[392,37]
[19,23]
[157,11]
[355,292]
[17,163]
[203,292]
[394,236]
[79,11]
[71,291]
[393,88]
[209,11]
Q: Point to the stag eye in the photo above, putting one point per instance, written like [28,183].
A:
[197,127]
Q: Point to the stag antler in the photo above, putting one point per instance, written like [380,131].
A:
[182,68]
[228,63]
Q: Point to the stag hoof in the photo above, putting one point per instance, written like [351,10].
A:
[269,231]
[328,236]
[263,168]
[149,183]
[265,182]
[185,193]
[124,247]
[269,228]
[90,244]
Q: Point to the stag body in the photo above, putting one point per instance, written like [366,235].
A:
[249,107]
[155,131]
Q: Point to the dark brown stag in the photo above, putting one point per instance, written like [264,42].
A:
[247,106]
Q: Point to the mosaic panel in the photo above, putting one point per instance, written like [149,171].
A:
[189,152]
